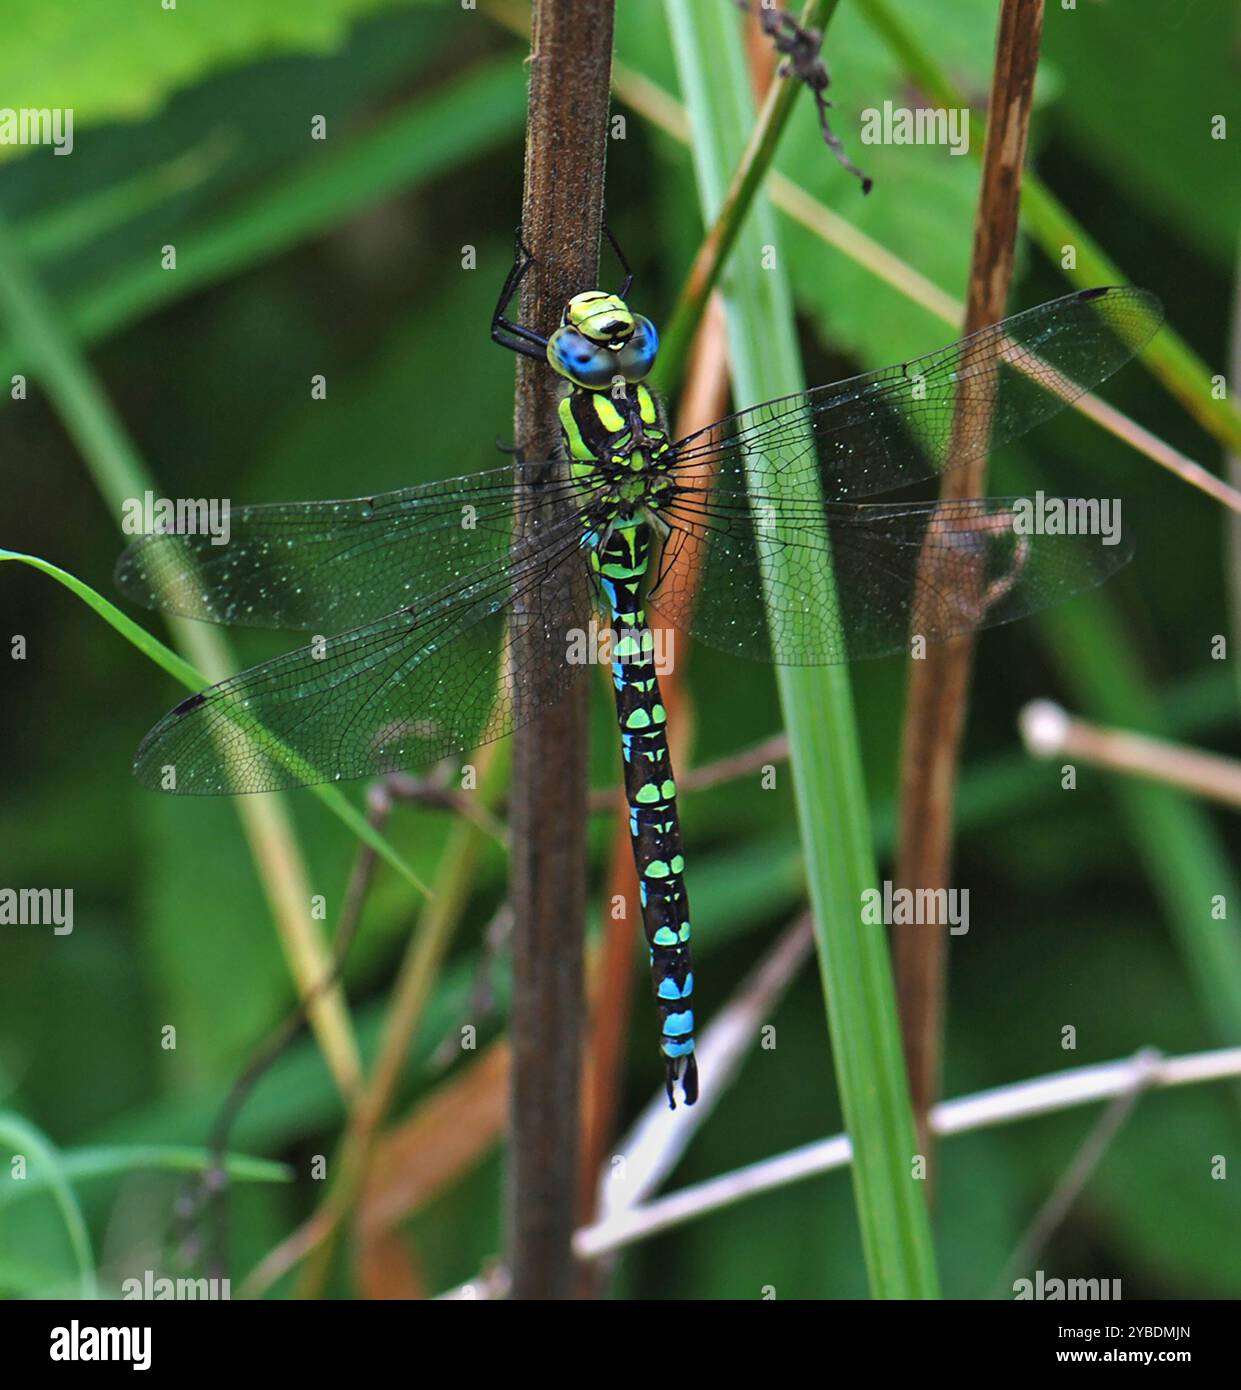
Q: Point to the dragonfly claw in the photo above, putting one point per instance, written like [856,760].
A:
[685,1071]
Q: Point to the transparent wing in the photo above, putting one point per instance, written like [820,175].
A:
[396,692]
[328,566]
[901,570]
[903,424]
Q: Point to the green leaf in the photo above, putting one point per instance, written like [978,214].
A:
[1165,150]
[115,60]
[817,702]
[406,149]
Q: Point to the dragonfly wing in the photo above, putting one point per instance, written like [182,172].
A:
[881,431]
[900,571]
[397,692]
[329,566]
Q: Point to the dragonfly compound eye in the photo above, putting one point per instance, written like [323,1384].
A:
[637,357]
[585,363]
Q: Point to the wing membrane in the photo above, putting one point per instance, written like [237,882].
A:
[900,570]
[398,692]
[903,424]
[329,566]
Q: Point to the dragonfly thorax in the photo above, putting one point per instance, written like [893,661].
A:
[617,445]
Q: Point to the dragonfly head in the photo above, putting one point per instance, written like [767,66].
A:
[601,340]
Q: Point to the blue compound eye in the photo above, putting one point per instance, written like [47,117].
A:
[637,357]
[573,355]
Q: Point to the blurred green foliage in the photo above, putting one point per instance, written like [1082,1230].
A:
[345,258]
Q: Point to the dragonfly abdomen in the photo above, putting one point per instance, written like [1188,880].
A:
[650,788]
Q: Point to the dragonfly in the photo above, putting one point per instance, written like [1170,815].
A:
[431,636]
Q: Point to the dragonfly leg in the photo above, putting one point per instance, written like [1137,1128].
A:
[504,331]
[627,283]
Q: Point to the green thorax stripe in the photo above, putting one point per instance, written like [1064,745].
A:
[596,426]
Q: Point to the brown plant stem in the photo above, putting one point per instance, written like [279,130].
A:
[938,685]
[566,132]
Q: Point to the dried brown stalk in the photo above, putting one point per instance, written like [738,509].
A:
[566,134]
[938,686]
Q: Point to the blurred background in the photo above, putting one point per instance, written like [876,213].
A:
[350,257]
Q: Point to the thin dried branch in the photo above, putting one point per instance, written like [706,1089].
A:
[655,1143]
[1041,1095]
[938,685]
[1051,732]
[419,791]
[729,768]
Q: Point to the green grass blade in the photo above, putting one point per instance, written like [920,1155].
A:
[49,1169]
[119,1160]
[817,704]
[180,669]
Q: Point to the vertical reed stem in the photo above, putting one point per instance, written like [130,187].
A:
[570,76]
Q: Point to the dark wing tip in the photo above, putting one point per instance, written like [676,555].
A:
[191,702]
[1132,294]
[154,756]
